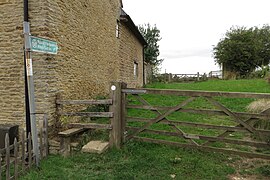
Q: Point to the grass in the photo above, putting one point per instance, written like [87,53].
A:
[249,85]
[136,161]
[149,161]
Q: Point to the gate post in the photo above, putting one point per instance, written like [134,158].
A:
[117,121]
[198,76]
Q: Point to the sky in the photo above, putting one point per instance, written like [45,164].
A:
[190,28]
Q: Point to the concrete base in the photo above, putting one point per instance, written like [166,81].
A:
[95,147]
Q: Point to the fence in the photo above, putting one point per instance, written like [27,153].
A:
[18,158]
[114,114]
[215,74]
[187,132]
[184,77]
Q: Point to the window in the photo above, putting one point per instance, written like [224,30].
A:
[117,33]
[135,70]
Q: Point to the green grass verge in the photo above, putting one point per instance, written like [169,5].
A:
[150,161]
[136,161]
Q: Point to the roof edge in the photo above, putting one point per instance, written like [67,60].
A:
[126,19]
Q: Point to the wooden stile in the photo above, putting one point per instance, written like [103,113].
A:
[85,102]
[89,126]
[88,114]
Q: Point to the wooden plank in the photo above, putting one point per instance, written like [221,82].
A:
[41,148]
[16,163]
[59,107]
[88,114]
[30,156]
[116,134]
[197,93]
[134,91]
[200,125]
[65,147]
[7,148]
[124,111]
[162,116]
[71,132]
[231,114]
[267,111]
[202,137]
[204,148]
[165,118]
[86,126]
[45,128]
[202,111]
[85,102]
[23,151]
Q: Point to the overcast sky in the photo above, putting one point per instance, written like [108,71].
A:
[190,28]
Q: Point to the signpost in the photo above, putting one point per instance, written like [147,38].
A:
[43,45]
[34,44]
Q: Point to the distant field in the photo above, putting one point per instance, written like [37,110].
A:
[149,161]
[253,85]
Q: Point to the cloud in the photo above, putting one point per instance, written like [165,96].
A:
[184,53]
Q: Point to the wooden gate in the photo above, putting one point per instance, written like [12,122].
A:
[210,121]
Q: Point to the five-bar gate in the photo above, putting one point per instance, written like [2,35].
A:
[203,120]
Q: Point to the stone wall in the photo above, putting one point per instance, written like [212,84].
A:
[130,52]
[88,58]
[11,60]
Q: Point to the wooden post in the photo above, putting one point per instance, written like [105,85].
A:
[59,109]
[116,134]
[29,150]
[124,112]
[23,151]
[16,159]
[65,148]
[45,135]
[204,77]
[198,76]
[170,77]
[7,148]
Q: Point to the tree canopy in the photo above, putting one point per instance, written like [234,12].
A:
[152,36]
[243,49]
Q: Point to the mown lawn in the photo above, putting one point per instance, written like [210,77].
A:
[149,161]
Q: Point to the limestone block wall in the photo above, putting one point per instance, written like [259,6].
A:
[88,58]
[12,108]
[131,51]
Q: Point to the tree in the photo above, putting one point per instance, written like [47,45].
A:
[264,45]
[242,50]
[152,37]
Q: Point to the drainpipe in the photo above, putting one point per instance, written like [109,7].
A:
[144,83]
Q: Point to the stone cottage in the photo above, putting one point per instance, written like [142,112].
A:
[98,43]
